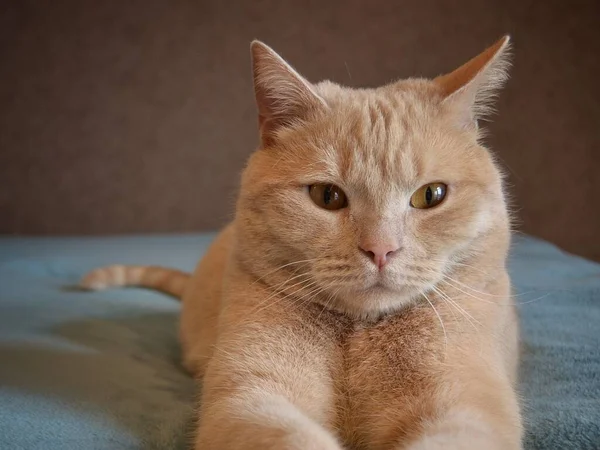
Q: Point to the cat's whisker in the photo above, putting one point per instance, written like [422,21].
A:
[447,300]
[281,291]
[474,296]
[441,322]
[459,308]
[283,267]
[533,300]
[311,296]
[456,263]
[444,298]
[278,300]
[330,298]
[283,285]
[521,294]
[314,291]
[466,286]
[448,280]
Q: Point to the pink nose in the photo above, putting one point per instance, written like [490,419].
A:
[380,252]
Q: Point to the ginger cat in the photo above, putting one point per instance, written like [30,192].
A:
[360,298]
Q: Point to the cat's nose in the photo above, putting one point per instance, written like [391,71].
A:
[379,252]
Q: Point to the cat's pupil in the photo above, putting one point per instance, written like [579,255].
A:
[428,195]
[327,195]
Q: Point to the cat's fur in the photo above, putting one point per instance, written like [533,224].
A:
[300,341]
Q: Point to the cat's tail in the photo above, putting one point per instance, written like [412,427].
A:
[169,281]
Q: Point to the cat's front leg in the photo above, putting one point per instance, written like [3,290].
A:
[466,429]
[481,413]
[269,383]
[260,419]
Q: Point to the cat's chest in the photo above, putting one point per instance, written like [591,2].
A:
[382,368]
[386,352]
[392,351]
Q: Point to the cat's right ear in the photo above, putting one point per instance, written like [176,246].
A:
[283,96]
[470,89]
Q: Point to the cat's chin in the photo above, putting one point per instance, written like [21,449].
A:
[377,287]
[373,301]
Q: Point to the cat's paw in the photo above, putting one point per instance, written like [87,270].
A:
[465,429]
[322,441]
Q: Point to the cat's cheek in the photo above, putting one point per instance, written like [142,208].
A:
[310,227]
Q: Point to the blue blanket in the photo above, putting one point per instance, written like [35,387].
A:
[101,370]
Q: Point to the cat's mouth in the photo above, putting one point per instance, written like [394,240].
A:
[377,286]
[381,285]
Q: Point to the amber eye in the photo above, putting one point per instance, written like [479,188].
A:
[428,196]
[328,196]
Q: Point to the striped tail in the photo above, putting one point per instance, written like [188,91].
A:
[169,281]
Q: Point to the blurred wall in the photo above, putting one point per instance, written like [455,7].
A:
[137,116]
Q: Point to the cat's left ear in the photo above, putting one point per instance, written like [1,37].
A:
[469,90]
[283,96]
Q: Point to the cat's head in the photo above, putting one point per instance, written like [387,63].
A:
[365,198]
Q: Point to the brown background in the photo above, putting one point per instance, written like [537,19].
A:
[137,116]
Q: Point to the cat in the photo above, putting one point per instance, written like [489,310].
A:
[360,297]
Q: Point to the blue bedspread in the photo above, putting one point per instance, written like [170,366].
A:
[101,370]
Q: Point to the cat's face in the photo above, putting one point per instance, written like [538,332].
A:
[369,197]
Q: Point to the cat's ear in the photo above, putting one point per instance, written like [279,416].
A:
[283,96]
[469,91]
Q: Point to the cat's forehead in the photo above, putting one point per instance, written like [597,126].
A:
[378,134]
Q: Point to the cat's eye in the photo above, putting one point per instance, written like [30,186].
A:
[428,196]
[328,196]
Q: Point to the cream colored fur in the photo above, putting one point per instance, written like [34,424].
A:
[299,340]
